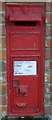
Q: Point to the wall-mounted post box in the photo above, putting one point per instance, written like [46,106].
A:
[25,59]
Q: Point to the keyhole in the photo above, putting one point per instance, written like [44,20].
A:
[18,90]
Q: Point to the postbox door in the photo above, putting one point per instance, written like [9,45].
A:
[25,83]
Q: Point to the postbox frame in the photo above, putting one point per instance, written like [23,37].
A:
[37,54]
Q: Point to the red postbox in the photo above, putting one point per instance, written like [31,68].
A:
[25,59]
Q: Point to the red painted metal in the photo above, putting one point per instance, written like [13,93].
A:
[25,44]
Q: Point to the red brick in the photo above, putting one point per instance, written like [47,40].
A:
[47,88]
[3,100]
[0,100]
[48,65]
[4,108]
[3,66]
[3,111]
[48,30]
[48,54]
[2,42]
[48,18]
[0,66]
[48,43]
[3,89]
[50,99]
[48,77]
[2,6]
[48,6]
[2,55]
[51,88]
[2,18]
[3,78]
[51,110]
[2,30]
[47,110]
[47,99]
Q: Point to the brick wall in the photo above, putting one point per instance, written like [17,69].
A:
[48,61]
[3,79]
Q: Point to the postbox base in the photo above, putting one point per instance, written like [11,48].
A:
[26,118]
